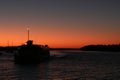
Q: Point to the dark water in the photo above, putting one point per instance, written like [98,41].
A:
[65,65]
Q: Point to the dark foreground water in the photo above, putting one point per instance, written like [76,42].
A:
[65,65]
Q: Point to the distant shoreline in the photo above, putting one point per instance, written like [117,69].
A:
[64,48]
[110,48]
[84,48]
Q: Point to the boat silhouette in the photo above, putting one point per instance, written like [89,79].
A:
[31,53]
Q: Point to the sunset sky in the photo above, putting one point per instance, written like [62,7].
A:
[60,23]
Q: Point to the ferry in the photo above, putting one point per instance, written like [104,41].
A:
[31,53]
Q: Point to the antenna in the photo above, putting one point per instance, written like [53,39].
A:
[28,32]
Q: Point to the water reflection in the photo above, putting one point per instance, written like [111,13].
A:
[73,66]
[32,72]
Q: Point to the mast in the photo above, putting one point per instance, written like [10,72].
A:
[28,33]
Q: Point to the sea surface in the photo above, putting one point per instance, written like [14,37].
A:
[64,65]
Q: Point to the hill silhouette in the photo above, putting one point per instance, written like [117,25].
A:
[113,47]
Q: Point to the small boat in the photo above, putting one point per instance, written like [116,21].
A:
[31,53]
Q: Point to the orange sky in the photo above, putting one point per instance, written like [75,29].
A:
[58,23]
[57,37]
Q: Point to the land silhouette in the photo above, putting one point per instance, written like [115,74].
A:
[113,47]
